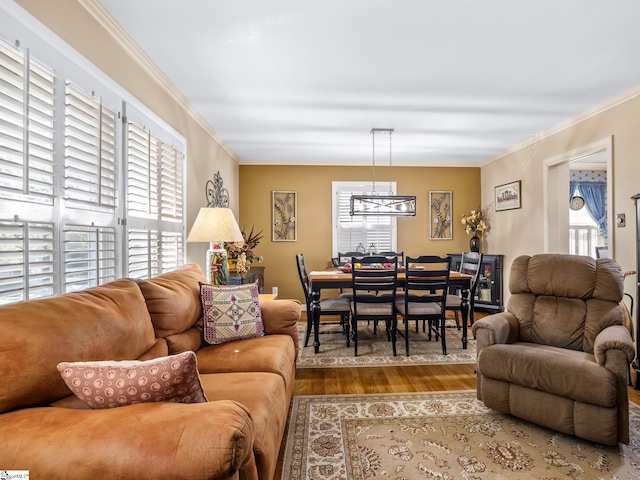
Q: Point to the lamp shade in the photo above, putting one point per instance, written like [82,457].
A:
[215,224]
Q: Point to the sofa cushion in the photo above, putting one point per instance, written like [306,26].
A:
[271,353]
[106,322]
[108,384]
[173,299]
[231,312]
[188,340]
[565,373]
[265,396]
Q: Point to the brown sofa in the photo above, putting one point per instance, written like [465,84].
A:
[559,356]
[50,432]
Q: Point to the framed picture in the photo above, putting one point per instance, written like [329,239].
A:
[440,215]
[508,196]
[285,210]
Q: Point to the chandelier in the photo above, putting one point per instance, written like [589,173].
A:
[380,203]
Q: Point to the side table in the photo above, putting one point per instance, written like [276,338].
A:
[254,274]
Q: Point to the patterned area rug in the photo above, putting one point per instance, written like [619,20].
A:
[375,350]
[442,435]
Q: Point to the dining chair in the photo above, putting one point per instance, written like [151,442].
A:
[400,256]
[328,306]
[470,264]
[374,274]
[345,257]
[424,296]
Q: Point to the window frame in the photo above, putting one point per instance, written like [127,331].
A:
[374,221]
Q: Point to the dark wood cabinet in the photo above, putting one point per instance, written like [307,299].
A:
[489,296]
[255,274]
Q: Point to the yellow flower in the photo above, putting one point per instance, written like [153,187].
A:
[477,221]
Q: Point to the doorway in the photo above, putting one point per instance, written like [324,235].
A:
[556,181]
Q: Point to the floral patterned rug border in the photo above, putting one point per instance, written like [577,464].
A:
[376,351]
[443,435]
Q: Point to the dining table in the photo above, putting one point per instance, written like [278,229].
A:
[340,278]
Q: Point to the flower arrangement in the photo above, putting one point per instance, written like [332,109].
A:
[251,241]
[476,222]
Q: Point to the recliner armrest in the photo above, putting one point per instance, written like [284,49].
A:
[616,338]
[500,327]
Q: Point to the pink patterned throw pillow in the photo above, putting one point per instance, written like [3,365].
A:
[107,384]
[231,312]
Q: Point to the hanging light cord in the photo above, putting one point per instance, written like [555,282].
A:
[373,167]
[390,175]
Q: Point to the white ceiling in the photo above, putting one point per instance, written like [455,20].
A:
[295,82]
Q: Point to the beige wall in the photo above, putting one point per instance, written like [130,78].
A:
[518,232]
[313,185]
[205,156]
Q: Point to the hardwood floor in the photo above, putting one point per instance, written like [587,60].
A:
[342,381]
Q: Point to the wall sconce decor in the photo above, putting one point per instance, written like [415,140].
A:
[217,195]
[285,211]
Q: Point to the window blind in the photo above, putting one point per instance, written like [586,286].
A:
[89,256]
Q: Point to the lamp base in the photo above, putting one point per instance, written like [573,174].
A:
[217,265]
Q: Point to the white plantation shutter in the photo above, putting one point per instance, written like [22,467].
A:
[142,173]
[352,231]
[27,94]
[90,167]
[89,256]
[155,204]
[84,194]
[144,253]
[26,261]
[172,248]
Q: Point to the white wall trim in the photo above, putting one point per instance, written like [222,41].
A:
[102,16]
[571,122]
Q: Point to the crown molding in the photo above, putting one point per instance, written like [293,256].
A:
[102,16]
[571,122]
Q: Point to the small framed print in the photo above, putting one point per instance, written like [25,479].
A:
[440,215]
[508,196]
[284,222]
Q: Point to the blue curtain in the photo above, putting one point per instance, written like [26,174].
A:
[595,198]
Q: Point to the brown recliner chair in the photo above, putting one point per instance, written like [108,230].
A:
[559,356]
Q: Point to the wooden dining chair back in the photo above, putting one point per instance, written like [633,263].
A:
[345,257]
[424,297]
[470,264]
[380,275]
[335,307]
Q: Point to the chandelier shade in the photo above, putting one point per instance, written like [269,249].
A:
[396,205]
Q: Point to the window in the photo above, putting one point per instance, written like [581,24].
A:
[350,232]
[86,196]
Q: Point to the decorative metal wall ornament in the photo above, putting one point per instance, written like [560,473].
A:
[440,215]
[285,211]
[380,204]
[217,195]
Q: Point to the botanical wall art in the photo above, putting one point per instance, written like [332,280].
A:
[508,196]
[285,210]
[440,215]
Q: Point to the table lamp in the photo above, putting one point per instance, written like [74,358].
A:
[216,225]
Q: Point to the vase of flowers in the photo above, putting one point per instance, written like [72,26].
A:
[241,254]
[475,224]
